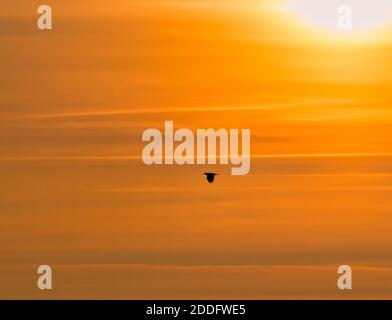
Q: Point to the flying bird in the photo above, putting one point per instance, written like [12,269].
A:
[210,176]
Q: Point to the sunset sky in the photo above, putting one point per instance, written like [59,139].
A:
[75,194]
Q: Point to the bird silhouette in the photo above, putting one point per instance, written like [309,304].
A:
[210,176]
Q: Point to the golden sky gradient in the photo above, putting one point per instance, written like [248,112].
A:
[76,195]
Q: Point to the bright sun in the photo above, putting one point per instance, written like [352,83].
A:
[365,16]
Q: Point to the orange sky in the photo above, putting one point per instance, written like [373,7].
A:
[76,195]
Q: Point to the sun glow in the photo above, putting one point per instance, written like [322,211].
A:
[351,18]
